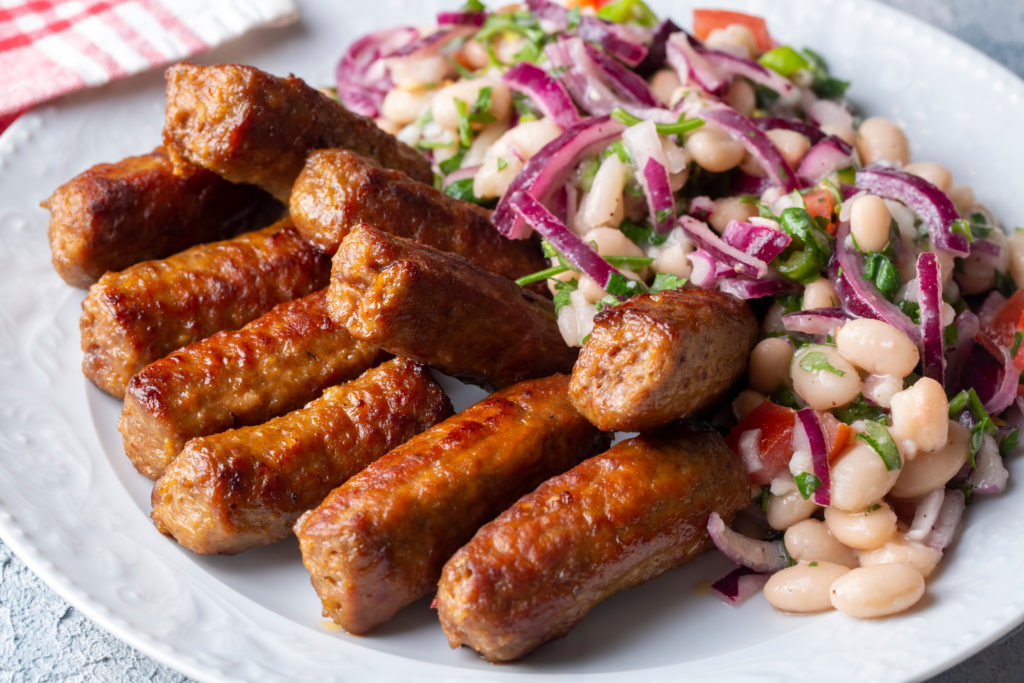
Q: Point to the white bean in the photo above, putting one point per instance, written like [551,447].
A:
[475,55]
[877,347]
[713,149]
[786,510]
[772,321]
[418,72]
[735,38]
[803,588]
[482,143]
[962,195]
[878,590]
[819,294]
[769,362]
[869,222]
[602,205]
[920,417]
[467,91]
[404,106]
[728,209]
[823,378]
[879,139]
[921,557]
[792,145]
[612,242]
[741,96]
[672,259]
[1016,249]
[863,530]
[860,478]
[931,470]
[936,174]
[844,132]
[810,540]
[745,402]
[504,159]
[881,388]
[664,84]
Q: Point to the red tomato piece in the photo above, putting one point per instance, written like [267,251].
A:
[707,20]
[837,435]
[775,444]
[1000,331]
[820,202]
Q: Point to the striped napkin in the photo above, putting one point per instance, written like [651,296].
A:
[51,47]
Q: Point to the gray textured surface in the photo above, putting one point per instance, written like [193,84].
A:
[42,638]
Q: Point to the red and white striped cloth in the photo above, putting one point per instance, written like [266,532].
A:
[51,47]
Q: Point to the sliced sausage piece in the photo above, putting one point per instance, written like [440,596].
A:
[378,542]
[440,309]
[246,487]
[659,357]
[133,317]
[251,127]
[337,190]
[114,215]
[614,521]
[274,364]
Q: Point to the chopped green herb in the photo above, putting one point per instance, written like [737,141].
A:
[1005,284]
[663,281]
[783,60]
[453,163]
[783,396]
[877,436]
[790,303]
[978,432]
[809,251]
[876,506]
[879,268]
[1009,442]
[813,564]
[541,275]
[950,335]
[663,215]
[618,149]
[824,84]
[816,360]
[967,400]
[629,12]
[683,125]
[962,227]
[573,16]
[474,6]
[911,309]
[502,164]
[980,228]
[463,189]
[623,287]
[807,483]
[766,493]
[563,290]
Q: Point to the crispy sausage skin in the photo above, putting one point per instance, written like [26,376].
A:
[114,215]
[440,309]
[378,542]
[235,378]
[338,190]
[135,316]
[246,487]
[251,127]
[614,521]
[659,357]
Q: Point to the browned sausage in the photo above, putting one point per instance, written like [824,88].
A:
[440,309]
[276,363]
[614,521]
[378,542]
[135,316]
[114,215]
[659,357]
[246,487]
[338,190]
[251,127]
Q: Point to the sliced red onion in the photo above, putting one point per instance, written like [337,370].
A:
[811,424]
[1006,390]
[634,88]
[761,556]
[461,18]
[749,185]
[704,267]
[925,515]
[859,296]
[655,58]
[829,155]
[625,43]
[732,65]
[739,585]
[702,207]
[952,510]
[577,252]
[644,146]
[760,241]
[995,378]
[432,42]
[740,261]
[691,66]
[757,143]
[745,288]
[990,474]
[548,94]
[362,76]
[828,113]
[460,174]
[599,84]
[934,207]
[547,170]
[766,123]
[990,306]
[929,296]
[986,248]
[817,321]
[967,327]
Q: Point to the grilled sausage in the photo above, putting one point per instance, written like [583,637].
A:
[440,309]
[659,357]
[251,127]
[114,215]
[276,363]
[246,487]
[135,316]
[338,190]
[378,542]
[614,521]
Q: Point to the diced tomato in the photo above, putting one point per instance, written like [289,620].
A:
[1000,331]
[774,446]
[593,4]
[837,435]
[820,202]
[707,20]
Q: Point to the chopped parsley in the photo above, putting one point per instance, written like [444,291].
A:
[816,360]
[877,436]
[807,484]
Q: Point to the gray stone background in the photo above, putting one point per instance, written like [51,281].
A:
[42,638]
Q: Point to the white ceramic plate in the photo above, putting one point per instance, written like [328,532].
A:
[76,512]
